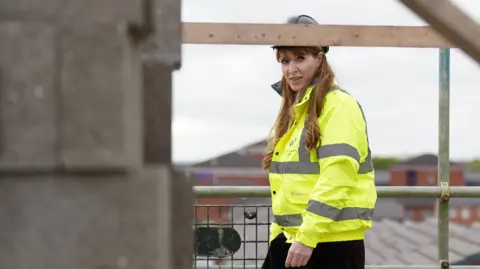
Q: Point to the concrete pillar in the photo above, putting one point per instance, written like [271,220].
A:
[79,185]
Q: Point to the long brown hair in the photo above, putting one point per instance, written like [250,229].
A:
[287,113]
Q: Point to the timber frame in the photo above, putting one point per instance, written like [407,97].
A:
[450,28]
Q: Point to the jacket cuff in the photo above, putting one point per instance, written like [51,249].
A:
[305,239]
[271,237]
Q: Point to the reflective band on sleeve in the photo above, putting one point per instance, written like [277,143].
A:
[347,213]
[367,165]
[288,220]
[333,150]
[342,149]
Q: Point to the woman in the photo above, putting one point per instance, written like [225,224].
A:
[320,168]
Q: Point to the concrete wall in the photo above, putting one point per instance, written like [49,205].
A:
[85,181]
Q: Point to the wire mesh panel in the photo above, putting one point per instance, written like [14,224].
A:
[236,237]
[250,222]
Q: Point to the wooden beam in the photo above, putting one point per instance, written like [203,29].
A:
[326,35]
[451,22]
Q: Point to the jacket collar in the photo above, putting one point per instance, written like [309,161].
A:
[305,96]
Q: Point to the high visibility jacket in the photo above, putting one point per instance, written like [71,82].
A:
[328,194]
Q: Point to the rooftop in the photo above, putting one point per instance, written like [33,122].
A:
[233,159]
[424,159]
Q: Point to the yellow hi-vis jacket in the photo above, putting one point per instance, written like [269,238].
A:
[329,194]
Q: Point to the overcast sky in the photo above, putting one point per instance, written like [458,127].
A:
[223,100]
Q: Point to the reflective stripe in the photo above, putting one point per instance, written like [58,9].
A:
[333,150]
[342,149]
[326,211]
[303,154]
[288,220]
[309,168]
[347,213]
[367,165]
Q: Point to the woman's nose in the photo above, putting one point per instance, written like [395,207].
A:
[292,67]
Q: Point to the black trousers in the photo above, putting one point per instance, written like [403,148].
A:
[330,255]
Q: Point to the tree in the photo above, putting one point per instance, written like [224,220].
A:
[384,163]
[474,165]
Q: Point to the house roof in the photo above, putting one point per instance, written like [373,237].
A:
[239,158]
[389,242]
[424,159]
[262,143]
[389,208]
[233,159]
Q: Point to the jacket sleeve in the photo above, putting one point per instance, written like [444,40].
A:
[275,230]
[342,131]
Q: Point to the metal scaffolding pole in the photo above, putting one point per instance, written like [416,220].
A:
[444,156]
[382,191]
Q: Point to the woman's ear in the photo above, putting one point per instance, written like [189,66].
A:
[319,59]
[320,56]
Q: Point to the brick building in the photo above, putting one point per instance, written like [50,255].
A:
[422,171]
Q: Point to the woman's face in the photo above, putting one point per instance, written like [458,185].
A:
[299,70]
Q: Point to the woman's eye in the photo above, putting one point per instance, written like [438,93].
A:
[284,62]
[300,58]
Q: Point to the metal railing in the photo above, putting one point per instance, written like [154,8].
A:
[442,192]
